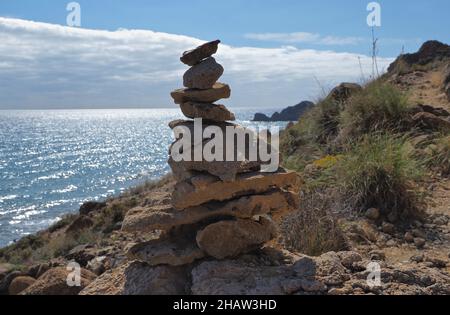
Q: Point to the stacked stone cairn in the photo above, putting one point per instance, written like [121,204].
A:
[218,209]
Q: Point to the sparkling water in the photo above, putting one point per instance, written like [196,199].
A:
[53,161]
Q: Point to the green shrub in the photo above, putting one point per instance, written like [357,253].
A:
[379,171]
[378,107]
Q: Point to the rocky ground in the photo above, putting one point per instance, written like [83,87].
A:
[110,240]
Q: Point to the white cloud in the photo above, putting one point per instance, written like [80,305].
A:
[304,37]
[45,65]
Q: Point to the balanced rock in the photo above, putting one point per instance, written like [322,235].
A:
[215,93]
[194,56]
[230,238]
[149,219]
[207,111]
[172,251]
[138,278]
[204,188]
[203,75]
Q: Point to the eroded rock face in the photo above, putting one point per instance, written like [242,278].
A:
[204,188]
[137,278]
[227,239]
[54,282]
[217,92]
[194,56]
[239,277]
[207,111]
[203,75]
[166,217]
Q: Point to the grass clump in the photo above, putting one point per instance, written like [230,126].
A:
[439,155]
[313,229]
[378,107]
[380,171]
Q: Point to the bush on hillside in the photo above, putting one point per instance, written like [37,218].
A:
[378,107]
[379,171]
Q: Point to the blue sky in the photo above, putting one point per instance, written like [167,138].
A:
[268,25]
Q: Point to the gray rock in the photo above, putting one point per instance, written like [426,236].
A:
[203,75]
[239,277]
[137,278]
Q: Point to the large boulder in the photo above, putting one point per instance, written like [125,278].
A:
[226,239]
[138,278]
[204,188]
[206,111]
[194,56]
[215,93]
[54,282]
[203,75]
[19,284]
[165,217]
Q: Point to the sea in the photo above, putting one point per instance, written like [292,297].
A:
[52,161]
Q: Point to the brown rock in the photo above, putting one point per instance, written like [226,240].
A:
[136,278]
[166,217]
[196,55]
[430,121]
[217,92]
[19,284]
[388,228]
[203,75]
[54,282]
[204,188]
[344,91]
[91,206]
[207,111]
[231,238]
[419,242]
[172,251]
[373,214]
